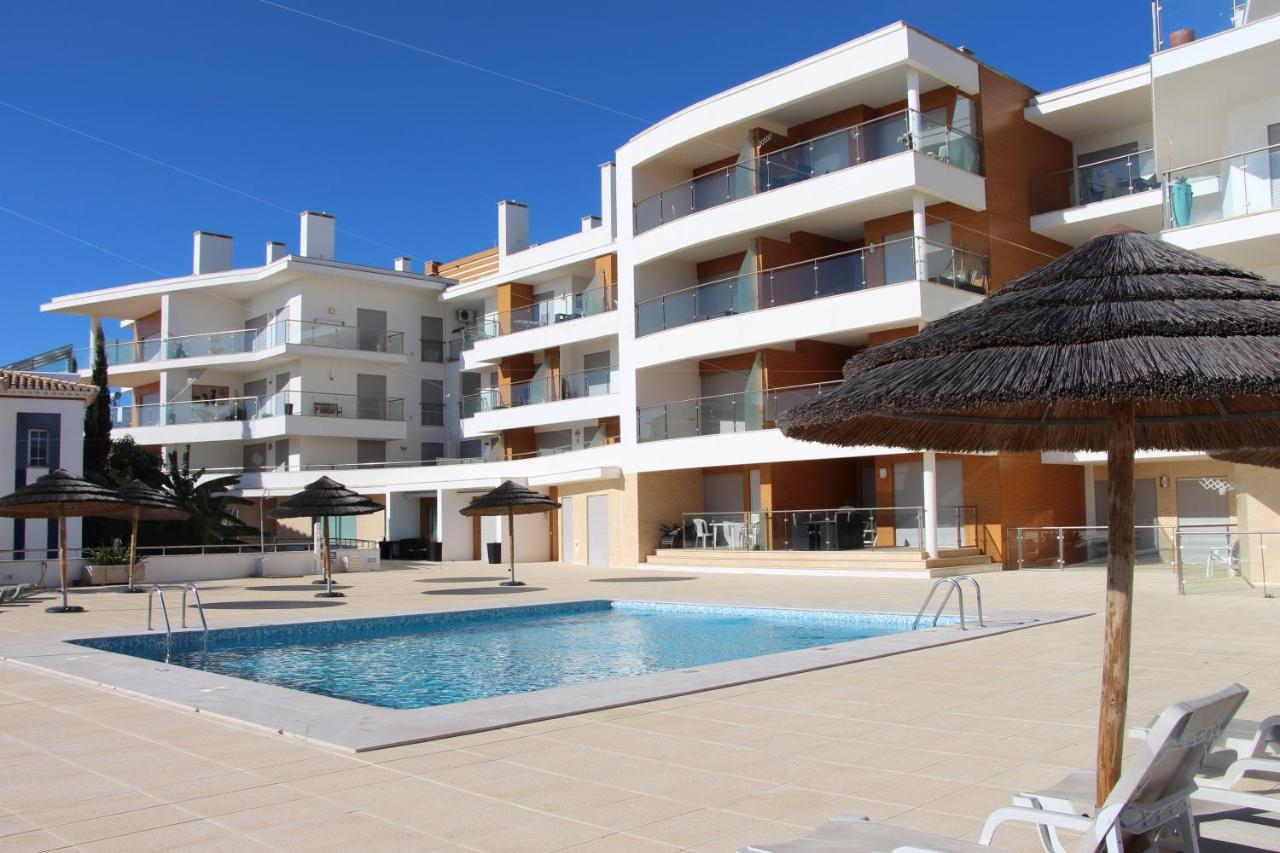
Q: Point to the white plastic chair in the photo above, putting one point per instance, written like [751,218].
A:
[701,532]
[1228,555]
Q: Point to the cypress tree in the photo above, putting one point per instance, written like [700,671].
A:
[97,416]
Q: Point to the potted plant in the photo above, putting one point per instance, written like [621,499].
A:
[107,565]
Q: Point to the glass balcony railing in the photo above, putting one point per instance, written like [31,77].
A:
[831,152]
[238,341]
[845,528]
[1114,178]
[568,386]
[846,272]
[286,403]
[744,411]
[1225,188]
[559,309]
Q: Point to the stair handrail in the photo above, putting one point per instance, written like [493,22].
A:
[953,586]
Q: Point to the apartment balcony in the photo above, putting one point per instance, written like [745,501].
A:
[849,293]
[565,319]
[872,168]
[744,411]
[253,347]
[1075,204]
[310,413]
[1228,207]
[586,395]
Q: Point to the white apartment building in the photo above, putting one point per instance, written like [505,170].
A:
[743,249]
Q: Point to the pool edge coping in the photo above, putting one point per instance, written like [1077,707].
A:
[354,727]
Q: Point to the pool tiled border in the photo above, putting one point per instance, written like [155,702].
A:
[356,727]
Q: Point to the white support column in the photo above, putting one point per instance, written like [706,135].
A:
[930,503]
[919,231]
[913,105]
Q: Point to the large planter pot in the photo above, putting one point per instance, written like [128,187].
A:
[102,575]
[1180,202]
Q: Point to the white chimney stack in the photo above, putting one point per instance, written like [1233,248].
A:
[590,223]
[212,253]
[275,251]
[404,263]
[513,227]
[609,198]
[317,235]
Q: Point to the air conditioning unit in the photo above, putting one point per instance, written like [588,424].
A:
[464,315]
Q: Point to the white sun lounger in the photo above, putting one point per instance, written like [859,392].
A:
[1248,748]
[1152,796]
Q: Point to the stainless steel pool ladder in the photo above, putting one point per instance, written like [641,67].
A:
[157,591]
[953,585]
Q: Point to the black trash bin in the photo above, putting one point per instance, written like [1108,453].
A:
[494,550]
[435,552]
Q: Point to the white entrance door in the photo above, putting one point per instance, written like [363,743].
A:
[566,530]
[598,530]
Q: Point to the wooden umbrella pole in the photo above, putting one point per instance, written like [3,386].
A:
[62,557]
[133,545]
[511,541]
[1121,444]
[328,572]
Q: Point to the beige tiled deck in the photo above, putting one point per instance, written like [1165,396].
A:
[933,739]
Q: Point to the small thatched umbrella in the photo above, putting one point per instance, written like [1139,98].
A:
[510,500]
[325,498]
[146,504]
[1124,343]
[62,495]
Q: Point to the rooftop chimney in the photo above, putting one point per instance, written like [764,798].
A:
[431,268]
[275,251]
[513,227]
[590,223]
[404,263]
[609,198]
[212,253]
[317,235]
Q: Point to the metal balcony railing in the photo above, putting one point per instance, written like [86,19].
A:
[284,403]
[548,312]
[831,152]
[236,341]
[845,528]
[832,275]
[549,389]
[743,411]
[1223,188]
[1106,179]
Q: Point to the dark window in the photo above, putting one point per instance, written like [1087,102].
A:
[432,402]
[38,448]
[432,341]
[431,451]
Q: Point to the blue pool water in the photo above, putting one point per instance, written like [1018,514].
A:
[440,658]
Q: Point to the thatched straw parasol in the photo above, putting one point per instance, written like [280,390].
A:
[510,500]
[62,495]
[325,498]
[146,504]
[1124,343]
[1263,457]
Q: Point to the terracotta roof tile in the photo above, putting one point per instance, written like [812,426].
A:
[38,384]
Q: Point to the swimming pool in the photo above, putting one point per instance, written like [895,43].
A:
[424,660]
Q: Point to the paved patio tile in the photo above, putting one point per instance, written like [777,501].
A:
[932,739]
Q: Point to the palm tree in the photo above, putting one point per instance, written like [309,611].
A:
[211,522]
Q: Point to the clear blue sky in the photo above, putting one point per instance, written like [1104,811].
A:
[409,150]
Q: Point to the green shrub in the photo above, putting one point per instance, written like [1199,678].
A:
[115,554]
